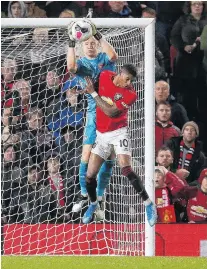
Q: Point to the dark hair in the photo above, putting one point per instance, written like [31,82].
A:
[164,148]
[14,2]
[149,10]
[187,7]
[34,166]
[166,103]
[34,111]
[131,69]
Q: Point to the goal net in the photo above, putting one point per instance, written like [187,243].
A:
[43,120]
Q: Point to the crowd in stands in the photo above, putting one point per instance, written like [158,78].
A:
[43,117]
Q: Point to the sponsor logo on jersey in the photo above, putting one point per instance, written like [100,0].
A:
[107,100]
[124,105]
[199,209]
[118,96]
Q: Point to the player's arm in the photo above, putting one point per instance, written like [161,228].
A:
[71,56]
[106,47]
[109,50]
[110,110]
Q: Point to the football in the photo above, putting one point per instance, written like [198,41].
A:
[81,30]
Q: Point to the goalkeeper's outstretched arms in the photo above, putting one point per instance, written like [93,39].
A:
[106,47]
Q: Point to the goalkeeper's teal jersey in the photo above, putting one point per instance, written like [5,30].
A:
[93,68]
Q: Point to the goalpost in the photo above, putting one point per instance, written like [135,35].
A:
[124,231]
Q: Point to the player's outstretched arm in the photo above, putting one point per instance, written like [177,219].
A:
[106,47]
[110,110]
[71,57]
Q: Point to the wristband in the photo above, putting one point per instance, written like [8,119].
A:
[98,35]
[94,94]
[71,43]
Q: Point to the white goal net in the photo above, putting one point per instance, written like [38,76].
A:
[42,131]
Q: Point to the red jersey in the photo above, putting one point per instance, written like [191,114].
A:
[122,97]
[164,198]
[197,207]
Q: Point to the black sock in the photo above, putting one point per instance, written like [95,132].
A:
[91,185]
[135,181]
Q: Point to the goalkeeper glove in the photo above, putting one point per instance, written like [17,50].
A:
[71,40]
[95,32]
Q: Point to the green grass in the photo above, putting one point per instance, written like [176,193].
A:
[101,262]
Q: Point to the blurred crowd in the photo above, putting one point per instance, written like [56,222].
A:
[43,116]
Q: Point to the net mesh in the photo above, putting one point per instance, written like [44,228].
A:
[40,132]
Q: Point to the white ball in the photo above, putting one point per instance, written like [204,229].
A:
[81,30]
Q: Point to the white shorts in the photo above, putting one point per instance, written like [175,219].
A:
[117,140]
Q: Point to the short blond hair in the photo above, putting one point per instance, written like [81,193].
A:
[68,14]
[38,32]
[19,83]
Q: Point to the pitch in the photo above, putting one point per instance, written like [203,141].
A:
[101,262]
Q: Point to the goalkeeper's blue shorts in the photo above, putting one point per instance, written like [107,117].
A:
[89,136]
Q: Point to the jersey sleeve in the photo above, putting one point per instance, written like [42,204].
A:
[108,64]
[126,101]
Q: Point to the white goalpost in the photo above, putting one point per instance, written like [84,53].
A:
[125,230]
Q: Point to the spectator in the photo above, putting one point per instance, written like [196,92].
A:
[188,71]
[204,48]
[39,49]
[36,139]
[14,167]
[203,95]
[6,115]
[197,205]
[70,149]
[24,89]
[33,202]
[138,6]
[8,137]
[162,93]
[167,14]
[34,11]
[160,40]
[160,73]
[167,187]
[51,92]
[118,9]
[17,9]
[10,117]
[64,111]
[164,128]
[80,8]
[187,152]
[61,187]
[164,157]
[67,14]
[9,70]
[54,8]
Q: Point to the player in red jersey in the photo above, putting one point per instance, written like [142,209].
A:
[116,95]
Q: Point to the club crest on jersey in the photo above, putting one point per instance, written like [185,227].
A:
[118,96]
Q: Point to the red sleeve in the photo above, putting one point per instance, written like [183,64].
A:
[128,100]
[173,182]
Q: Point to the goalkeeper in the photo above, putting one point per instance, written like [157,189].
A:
[92,64]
